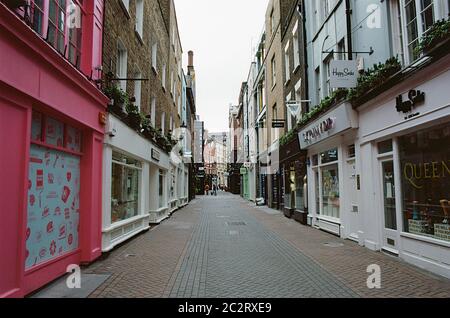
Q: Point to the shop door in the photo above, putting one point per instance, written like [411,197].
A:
[353,199]
[390,233]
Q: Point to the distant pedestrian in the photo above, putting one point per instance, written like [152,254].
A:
[207,189]
[214,189]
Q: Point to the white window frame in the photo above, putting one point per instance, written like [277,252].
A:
[139,27]
[287,63]
[296,47]
[163,123]
[138,88]
[122,64]
[126,5]
[155,57]
[273,65]
[438,12]
[153,112]
[163,76]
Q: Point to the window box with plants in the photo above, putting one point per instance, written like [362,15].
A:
[133,117]
[147,130]
[437,38]
[373,79]
[119,100]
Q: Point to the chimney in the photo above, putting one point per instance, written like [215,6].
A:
[191,59]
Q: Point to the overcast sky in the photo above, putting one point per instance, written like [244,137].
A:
[221,33]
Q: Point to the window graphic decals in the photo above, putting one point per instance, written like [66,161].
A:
[53,205]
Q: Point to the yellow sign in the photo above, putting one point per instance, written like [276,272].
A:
[415,173]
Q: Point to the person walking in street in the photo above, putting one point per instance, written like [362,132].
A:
[207,189]
[214,189]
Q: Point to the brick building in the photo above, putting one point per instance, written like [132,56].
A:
[143,163]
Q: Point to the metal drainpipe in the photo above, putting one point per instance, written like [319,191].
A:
[348,13]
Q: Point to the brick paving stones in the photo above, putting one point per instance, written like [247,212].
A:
[224,247]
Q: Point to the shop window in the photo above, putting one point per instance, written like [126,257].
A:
[53,203]
[351,152]
[315,160]
[425,167]
[124,187]
[52,133]
[385,147]
[329,156]
[330,191]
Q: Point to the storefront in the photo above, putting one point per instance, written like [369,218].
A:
[51,123]
[293,167]
[331,171]
[406,169]
[135,178]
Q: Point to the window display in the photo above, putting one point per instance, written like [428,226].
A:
[124,188]
[425,164]
[53,211]
[330,191]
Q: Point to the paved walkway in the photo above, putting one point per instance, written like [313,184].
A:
[225,247]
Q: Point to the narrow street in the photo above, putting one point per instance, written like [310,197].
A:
[226,247]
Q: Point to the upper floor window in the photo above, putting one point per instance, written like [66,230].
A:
[154,56]
[163,76]
[140,17]
[296,46]
[274,71]
[419,16]
[138,88]
[287,63]
[126,4]
[272,22]
[60,22]
[121,66]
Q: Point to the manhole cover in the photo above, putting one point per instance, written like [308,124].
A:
[236,223]
[333,244]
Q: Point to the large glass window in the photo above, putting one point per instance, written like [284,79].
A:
[327,179]
[53,200]
[425,167]
[124,187]
[330,191]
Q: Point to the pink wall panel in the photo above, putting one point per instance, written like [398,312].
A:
[13,122]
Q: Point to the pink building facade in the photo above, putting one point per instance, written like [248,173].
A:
[52,119]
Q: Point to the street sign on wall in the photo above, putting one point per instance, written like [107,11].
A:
[343,74]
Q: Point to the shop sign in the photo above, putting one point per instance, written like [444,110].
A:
[416,173]
[278,124]
[336,121]
[344,74]
[156,155]
[415,97]
[321,128]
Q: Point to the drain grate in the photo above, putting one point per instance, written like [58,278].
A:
[236,223]
[333,244]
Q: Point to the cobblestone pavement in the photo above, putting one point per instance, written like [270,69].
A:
[226,247]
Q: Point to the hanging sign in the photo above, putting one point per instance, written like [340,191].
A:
[343,74]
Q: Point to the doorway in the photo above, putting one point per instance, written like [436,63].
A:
[390,233]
